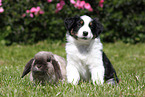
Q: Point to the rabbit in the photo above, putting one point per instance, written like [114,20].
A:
[46,67]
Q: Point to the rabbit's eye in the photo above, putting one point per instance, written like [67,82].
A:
[49,59]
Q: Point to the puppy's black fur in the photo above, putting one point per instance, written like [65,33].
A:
[109,70]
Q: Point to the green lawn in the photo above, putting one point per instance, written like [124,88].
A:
[128,60]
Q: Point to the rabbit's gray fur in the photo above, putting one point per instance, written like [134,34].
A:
[46,67]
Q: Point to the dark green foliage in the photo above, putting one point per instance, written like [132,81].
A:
[15,28]
[122,20]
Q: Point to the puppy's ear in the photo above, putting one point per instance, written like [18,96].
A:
[69,22]
[97,27]
[56,68]
[27,68]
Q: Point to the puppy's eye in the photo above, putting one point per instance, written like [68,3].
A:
[90,24]
[82,22]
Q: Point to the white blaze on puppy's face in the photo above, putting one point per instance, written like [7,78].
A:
[85,31]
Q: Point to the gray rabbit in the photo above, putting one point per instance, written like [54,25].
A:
[46,67]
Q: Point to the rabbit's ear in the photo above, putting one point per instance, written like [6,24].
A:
[27,68]
[56,67]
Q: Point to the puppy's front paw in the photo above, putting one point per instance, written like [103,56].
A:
[111,81]
[72,75]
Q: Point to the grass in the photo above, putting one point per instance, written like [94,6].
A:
[127,59]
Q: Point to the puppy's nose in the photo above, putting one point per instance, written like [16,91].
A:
[85,33]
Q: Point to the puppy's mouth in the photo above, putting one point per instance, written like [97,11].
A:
[84,38]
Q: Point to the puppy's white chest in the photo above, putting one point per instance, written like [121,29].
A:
[77,53]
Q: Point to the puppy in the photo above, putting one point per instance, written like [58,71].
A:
[85,58]
[46,67]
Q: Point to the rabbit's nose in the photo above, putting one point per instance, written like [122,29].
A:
[39,66]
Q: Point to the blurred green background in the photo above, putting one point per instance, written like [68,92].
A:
[123,20]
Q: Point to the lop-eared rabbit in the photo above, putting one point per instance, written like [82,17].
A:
[46,67]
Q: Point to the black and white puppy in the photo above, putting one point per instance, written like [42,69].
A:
[85,58]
